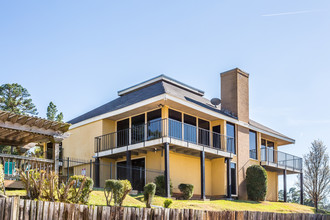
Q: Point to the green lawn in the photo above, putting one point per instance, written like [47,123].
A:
[235,205]
[98,198]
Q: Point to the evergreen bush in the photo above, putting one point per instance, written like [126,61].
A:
[167,203]
[187,190]
[116,190]
[149,193]
[256,183]
[160,186]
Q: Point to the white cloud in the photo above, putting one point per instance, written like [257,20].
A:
[289,13]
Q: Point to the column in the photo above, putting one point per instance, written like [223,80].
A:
[301,188]
[167,170]
[97,172]
[56,153]
[284,185]
[228,178]
[202,175]
[128,166]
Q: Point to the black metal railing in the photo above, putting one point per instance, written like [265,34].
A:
[160,128]
[279,158]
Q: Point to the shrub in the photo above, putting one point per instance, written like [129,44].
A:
[256,183]
[160,186]
[149,192]
[167,203]
[187,190]
[116,190]
[2,181]
[45,186]
[84,185]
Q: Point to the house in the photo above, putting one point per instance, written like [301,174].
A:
[165,127]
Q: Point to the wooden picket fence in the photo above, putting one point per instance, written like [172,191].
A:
[16,208]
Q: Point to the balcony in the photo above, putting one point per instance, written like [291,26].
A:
[156,132]
[278,161]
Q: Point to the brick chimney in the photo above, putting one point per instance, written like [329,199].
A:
[235,93]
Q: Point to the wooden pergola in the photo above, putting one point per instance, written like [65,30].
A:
[19,130]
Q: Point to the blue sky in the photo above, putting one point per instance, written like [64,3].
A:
[78,54]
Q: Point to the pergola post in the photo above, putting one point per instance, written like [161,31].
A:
[284,185]
[167,170]
[56,153]
[228,178]
[202,157]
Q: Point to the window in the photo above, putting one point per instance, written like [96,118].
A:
[253,145]
[138,128]
[270,151]
[216,136]
[231,145]
[233,178]
[263,149]
[154,122]
[175,124]
[203,132]
[267,150]
[122,132]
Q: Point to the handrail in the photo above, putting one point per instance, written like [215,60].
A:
[163,128]
[280,158]
[26,158]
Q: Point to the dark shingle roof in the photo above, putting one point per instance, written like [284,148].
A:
[161,87]
[123,101]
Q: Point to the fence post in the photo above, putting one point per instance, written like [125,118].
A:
[90,168]
[68,168]
[110,170]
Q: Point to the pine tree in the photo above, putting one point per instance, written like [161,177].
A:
[15,98]
[59,117]
[51,111]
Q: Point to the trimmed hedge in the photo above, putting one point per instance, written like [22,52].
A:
[187,190]
[256,183]
[160,186]
[149,193]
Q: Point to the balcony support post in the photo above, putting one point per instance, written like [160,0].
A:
[301,188]
[202,157]
[228,160]
[284,185]
[167,170]
[129,165]
[97,171]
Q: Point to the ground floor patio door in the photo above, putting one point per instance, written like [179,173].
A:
[138,173]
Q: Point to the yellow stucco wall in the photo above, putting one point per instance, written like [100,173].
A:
[80,144]
[219,177]
[186,169]
[272,184]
